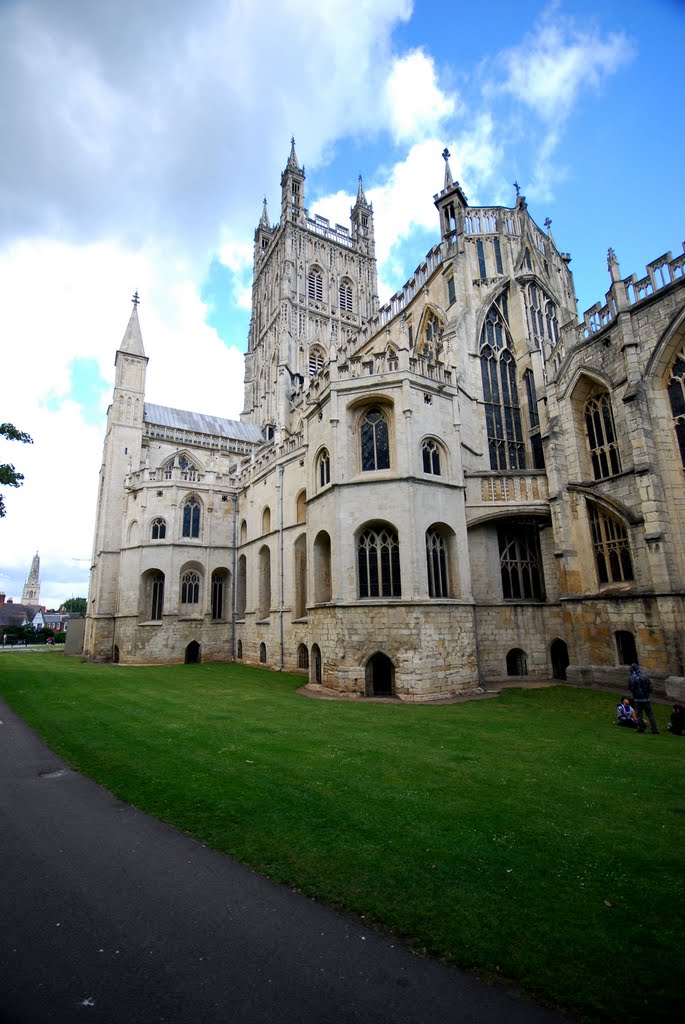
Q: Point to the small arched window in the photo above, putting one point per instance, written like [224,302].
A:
[157,597]
[262,653]
[315,285]
[375,445]
[601,435]
[436,563]
[345,297]
[324,467]
[431,334]
[191,517]
[218,595]
[317,357]
[431,457]
[158,529]
[612,551]
[239,650]
[676,396]
[266,520]
[302,656]
[190,587]
[378,560]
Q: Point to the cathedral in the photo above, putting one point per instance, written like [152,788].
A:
[466,484]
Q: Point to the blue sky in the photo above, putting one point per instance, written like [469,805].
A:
[140,139]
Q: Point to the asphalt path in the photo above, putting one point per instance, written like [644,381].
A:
[109,916]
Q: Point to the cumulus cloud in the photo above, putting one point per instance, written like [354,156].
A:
[552,65]
[416,104]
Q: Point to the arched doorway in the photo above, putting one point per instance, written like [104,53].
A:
[559,655]
[192,653]
[380,676]
[315,670]
[517,662]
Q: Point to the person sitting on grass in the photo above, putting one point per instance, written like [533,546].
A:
[677,724]
[625,715]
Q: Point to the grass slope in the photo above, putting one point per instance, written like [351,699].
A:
[523,837]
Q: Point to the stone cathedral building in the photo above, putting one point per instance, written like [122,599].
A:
[419,498]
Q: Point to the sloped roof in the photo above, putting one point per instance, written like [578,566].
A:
[201,423]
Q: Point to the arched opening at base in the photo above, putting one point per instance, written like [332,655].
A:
[380,676]
[558,653]
[517,662]
[192,656]
[315,670]
[115,655]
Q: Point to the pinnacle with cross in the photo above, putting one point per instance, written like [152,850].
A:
[136,299]
[518,189]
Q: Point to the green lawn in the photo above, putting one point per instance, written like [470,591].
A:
[523,837]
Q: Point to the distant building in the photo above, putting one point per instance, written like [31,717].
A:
[421,498]
[14,614]
[31,592]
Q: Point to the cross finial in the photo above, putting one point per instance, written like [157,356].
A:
[292,140]
[136,298]
[446,154]
[548,223]
[518,189]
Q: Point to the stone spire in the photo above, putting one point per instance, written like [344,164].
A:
[449,180]
[361,198]
[264,220]
[292,164]
[133,339]
[31,592]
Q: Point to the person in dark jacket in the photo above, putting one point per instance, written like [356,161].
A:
[640,686]
[677,723]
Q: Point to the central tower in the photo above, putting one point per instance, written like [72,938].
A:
[314,285]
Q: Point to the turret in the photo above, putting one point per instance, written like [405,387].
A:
[263,234]
[361,216]
[292,188]
[451,203]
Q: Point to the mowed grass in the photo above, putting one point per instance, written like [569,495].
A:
[523,837]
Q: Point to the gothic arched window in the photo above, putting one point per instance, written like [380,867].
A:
[315,286]
[378,559]
[157,596]
[218,595]
[676,395]
[542,316]
[375,445]
[601,435]
[316,359]
[436,563]
[500,394]
[519,559]
[345,297]
[324,467]
[190,587]
[431,457]
[191,517]
[612,551]
[158,529]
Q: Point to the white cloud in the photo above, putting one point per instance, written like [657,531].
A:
[416,104]
[548,70]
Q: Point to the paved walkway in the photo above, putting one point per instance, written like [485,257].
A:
[108,916]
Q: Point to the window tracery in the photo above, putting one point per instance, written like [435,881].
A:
[612,551]
[430,452]
[190,587]
[436,563]
[375,446]
[601,436]
[378,560]
[158,529]
[315,286]
[191,518]
[500,392]
[676,397]
[519,557]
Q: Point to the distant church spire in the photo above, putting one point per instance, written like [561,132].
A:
[133,339]
[361,198]
[31,592]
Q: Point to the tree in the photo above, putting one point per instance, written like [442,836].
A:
[8,474]
[76,605]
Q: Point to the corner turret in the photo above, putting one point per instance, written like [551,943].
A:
[292,188]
